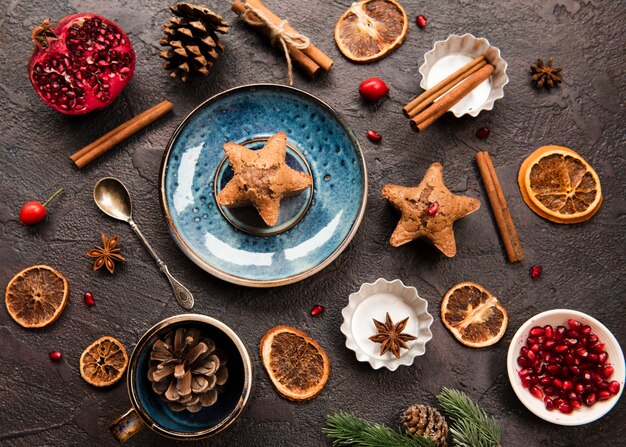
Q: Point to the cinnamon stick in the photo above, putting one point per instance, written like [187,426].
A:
[502,215]
[427,97]
[447,101]
[107,141]
[306,63]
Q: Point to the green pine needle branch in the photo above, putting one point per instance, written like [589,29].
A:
[348,430]
[471,426]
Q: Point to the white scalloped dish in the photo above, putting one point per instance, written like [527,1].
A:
[373,301]
[449,55]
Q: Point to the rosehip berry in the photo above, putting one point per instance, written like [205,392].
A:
[34,211]
[373,89]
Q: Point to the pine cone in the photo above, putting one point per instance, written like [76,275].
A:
[426,421]
[186,371]
[191,36]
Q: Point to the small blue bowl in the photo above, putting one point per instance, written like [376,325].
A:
[151,411]
[233,243]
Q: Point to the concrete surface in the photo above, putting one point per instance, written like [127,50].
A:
[46,404]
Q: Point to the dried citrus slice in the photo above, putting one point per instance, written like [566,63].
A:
[370,29]
[36,296]
[297,365]
[473,315]
[559,185]
[103,362]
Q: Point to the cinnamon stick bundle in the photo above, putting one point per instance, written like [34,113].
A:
[310,59]
[107,141]
[501,213]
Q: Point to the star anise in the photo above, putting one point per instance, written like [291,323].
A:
[390,336]
[107,254]
[545,75]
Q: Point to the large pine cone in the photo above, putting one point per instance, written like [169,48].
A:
[186,371]
[426,421]
[191,36]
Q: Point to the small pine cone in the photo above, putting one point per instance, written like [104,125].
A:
[426,421]
[192,40]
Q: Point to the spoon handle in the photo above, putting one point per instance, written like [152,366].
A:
[181,293]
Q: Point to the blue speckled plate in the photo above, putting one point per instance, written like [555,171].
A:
[233,244]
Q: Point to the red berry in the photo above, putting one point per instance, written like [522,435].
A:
[89,300]
[34,211]
[482,133]
[55,356]
[373,89]
[317,310]
[421,21]
[535,271]
[374,136]
[433,208]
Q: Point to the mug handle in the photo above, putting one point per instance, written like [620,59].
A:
[126,425]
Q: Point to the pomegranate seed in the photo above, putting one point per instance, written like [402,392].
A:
[565,408]
[317,310]
[433,208]
[603,357]
[549,344]
[591,399]
[421,21]
[571,341]
[523,361]
[595,378]
[604,385]
[526,371]
[545,381]
[582,352]
[575,370]
[560,332]
[567,385]
[535,391]
[547,356]
[557,360]
[535,271]
[550,391]
[89,301]
[531,341]
[537,331]
[558,402]
[599,348]
[549,403]
[531,354]
[561,349]
[593,338]
[586,377]
[570,359]
[614,387]
[547,329]
[534,379]
[574,324]
[374,136]
[482,133]
[55,356]
[579,388]
[604,395]
[571,333]
[524,351]
[586,329]
[553,370]
[525,382]
[576,405]
[535,348]
[557,383]
[608,371]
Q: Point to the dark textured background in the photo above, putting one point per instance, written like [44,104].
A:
[42,403]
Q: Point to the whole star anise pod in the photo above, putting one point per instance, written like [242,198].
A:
[391,337]
[545,75]
[107,254]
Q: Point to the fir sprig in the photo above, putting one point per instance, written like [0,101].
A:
[471,426]
[347,429]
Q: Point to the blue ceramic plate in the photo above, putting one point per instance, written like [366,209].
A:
[234,244]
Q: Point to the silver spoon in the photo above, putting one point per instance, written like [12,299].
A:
[113,199]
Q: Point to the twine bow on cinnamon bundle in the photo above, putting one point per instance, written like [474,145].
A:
[296,47]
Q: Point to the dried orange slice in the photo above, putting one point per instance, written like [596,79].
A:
[36,296]
[559,185]
[370,29]
[103,362]
[297,365]
[473,315]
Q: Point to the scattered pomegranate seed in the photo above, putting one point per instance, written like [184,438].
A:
[535,271]
[421,21]
[317,310]
[482,133]
[374,136]
[433,208]
[89,300]
[55,356]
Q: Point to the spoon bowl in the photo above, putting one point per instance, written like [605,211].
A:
[113,198]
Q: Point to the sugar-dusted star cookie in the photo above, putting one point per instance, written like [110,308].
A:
[262,178]
[428,210]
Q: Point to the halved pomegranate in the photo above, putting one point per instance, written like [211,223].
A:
[80,64]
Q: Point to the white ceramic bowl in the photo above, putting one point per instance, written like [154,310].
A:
[559,317]
[373,301]
[449,55]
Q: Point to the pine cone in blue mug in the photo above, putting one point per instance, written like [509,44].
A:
[186,371]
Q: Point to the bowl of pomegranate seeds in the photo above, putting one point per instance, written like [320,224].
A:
[566,367]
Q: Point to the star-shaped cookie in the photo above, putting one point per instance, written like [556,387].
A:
[262,178]
[428,210]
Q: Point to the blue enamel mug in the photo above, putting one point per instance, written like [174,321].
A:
[149,410]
